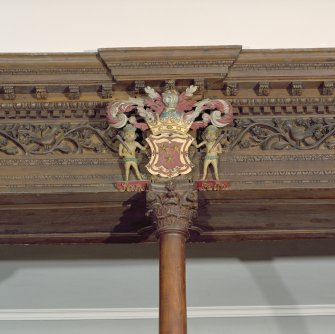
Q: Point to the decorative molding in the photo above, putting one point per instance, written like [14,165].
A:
[283,66]
[73,92]
[200,83]
[170,64]
[106,91]
[172,206]
[53,110]
[170,84]
[139,86]
[59,105]
[263,89]
[282,107]
[327,88]
[97,109]
[231,89]
[296,88]
[83,70]
[287,157]
[152,313]
[46,162]
[9,93]
[285,101]
[41,93]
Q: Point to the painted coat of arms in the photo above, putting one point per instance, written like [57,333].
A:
[168,117]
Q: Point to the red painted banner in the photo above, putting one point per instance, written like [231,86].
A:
[212,185]
[132,186]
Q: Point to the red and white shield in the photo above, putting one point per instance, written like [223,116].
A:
[169,155]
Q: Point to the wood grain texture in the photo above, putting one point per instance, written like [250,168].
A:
[172,291]
[70,196]
[120,217]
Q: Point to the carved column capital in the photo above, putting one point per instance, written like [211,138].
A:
[172,206]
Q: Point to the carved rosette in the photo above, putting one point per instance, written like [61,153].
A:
[172,207]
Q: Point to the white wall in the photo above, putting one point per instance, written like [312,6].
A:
[264,287]
[82,25]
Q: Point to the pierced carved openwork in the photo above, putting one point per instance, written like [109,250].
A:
[281,134]
[312,133]
[64,138]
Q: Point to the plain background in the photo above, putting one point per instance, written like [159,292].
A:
[86,25]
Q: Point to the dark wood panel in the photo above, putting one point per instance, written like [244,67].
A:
[120,217]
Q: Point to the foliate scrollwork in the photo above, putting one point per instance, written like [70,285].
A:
[172,207]
[245,134]
[279,134]
[57,138]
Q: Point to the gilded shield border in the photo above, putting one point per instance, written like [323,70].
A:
[154,169]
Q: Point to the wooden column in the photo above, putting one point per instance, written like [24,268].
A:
[172,208]
[172,288]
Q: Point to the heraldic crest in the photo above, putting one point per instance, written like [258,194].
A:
[167,119]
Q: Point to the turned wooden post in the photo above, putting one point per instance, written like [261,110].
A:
[172,207]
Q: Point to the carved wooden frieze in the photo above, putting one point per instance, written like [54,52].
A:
[245,134]
[55,140]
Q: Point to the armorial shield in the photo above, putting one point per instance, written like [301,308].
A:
[169,154]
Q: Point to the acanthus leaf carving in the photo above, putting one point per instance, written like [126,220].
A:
[172,206]
[41,139]
[279,134]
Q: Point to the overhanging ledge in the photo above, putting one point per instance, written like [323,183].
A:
[59,160]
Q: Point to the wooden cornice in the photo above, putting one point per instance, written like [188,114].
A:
[170,63]
[53,70]
[59,161]
[213,64]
